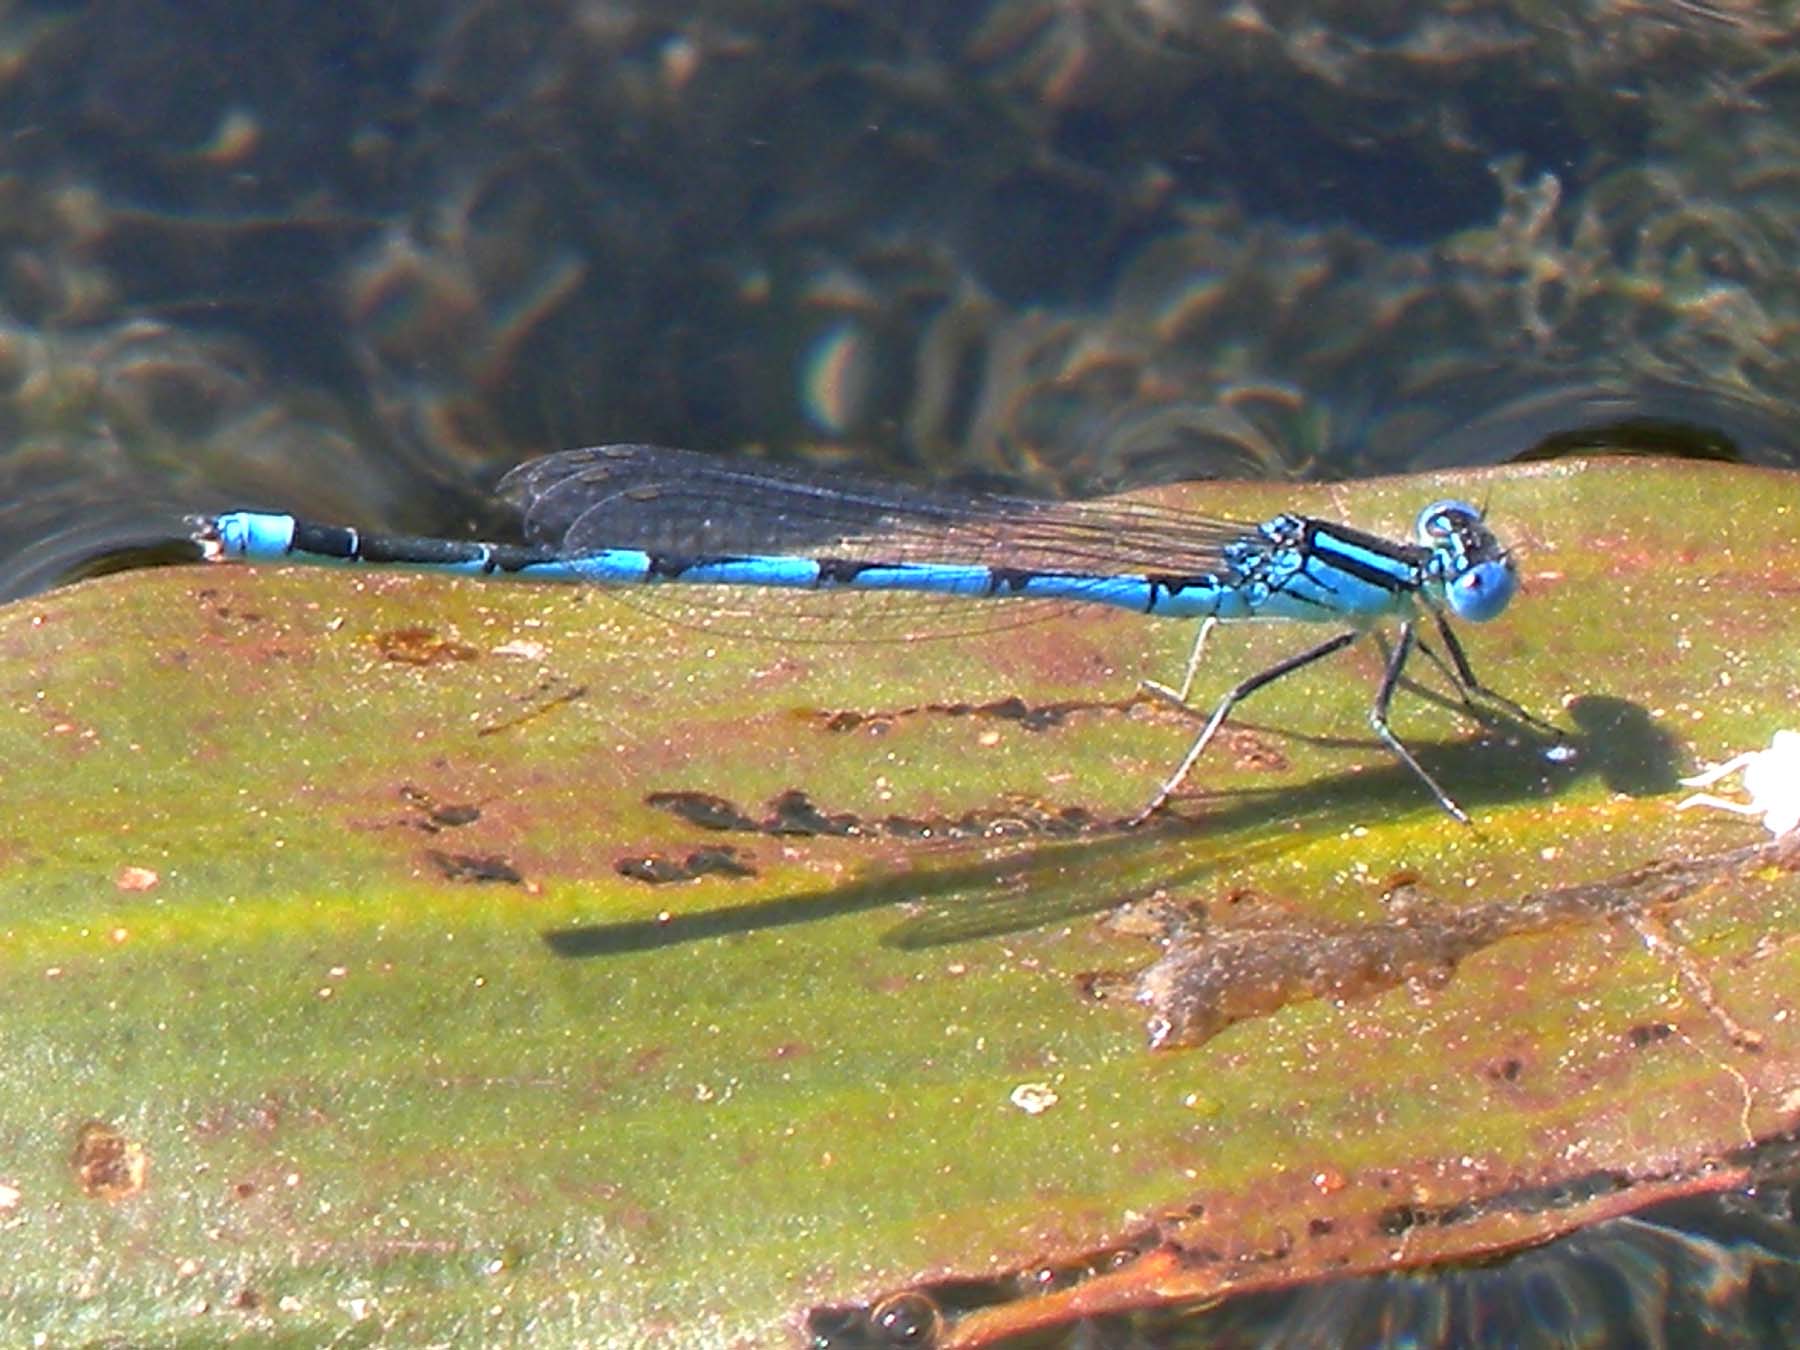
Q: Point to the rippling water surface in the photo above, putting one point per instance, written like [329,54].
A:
[355,261]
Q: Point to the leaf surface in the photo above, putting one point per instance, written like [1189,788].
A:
[387,955]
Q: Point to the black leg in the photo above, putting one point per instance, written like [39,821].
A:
[1448,672]
[1378,718]
[1465,677]
[1243,691]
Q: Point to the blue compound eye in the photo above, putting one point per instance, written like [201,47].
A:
[1439,521]
[1482,592]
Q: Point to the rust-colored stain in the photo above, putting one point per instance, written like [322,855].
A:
[422,646]
[108,1164]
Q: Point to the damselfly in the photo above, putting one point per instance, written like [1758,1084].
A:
[633,514]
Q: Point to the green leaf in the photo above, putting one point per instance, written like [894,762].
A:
[395,957]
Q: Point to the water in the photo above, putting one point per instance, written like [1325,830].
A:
[356,266]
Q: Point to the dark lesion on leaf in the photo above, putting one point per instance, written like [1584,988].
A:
[658,869]
[1549,1197]
[432,815]
[794,814]
[474,867]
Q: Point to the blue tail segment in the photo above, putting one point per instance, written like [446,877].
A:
[637,514]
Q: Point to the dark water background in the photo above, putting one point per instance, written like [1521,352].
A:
[353,260]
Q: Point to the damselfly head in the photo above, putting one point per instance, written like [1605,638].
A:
[1477,574]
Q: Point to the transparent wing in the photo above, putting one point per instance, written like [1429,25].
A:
[684,503]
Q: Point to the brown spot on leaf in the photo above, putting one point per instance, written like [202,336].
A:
[1507,1070]
[421,646]
[108,1165]
[1212,976]
[435,815]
